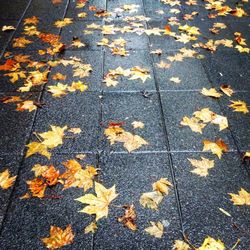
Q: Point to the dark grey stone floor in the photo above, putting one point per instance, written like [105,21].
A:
[192,207]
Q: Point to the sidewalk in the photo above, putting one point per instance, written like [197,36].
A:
[120,83]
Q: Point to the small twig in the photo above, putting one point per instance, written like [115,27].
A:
[241,228]
[37,136]
[188,241]
[236,244]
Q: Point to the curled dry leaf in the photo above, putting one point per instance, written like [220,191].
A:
[151,199]
[217,147]
[128,219]
[6,181]
[8,28]
[99,204]
[226,89]
[201,166]
[162,186]
[59,237]
[156,229]
[242,198]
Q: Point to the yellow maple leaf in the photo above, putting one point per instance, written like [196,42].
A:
[139,73]
[8,28]
[58,90]
[15,76]
[5,180]
[26,105]
[180,245]
[239,106]
[38,169]
[201,166]
[37,148]
[54,137]
[151,199]
[212,92]
[243,198]
[91,228]
[62,23]
[212,244]
[59,237]
[226,89]
[77,86]
[99,204]
[195,124]
[217,147]
[162,186]
[156,229]
[77,43]
[21,42]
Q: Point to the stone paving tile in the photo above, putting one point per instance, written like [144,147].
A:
[190,71]
[15,126]
[201,198]
[76,30]
[130,107]
[29,220]
[94,58]
[238,122]
[10,162]
[228,68]
[12,9]
[133,175]
[72,11]
[80,110]
[176,105]
[136,58]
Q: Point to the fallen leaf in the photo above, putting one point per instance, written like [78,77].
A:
[138,124]
[8,28]
[201,166]
[194,123]
[226,89]
[128,219]
[6,181]
[75,130]
[37,148]
[180,245]
[151,199]
[242,198]
[162,186]
[211,92]
[62,23]
[239,106]
[156,229]
[175,80]
[217,147]
[26,105]
[91,228]
[210,243]
[99,204]
[59,237]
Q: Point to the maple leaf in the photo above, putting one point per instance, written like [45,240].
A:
[163,65]
[162,186]
[77,43]
[77,86]
[58,90]
[151,199]
[38,169]
[54,137]
[37,187]
[239,106]
[217,147]
[26,105]
[128,219]
[242,49]
[31,20]
[193,123]
[21,42]
[91,228]
[139,73]
[11,99]
[62,23]
[138,124]
[180,245]
[242,198]
[9,64]
[16,75]
[201,166]
[175,79]
[8,28]
[37,148]
[82,14]
[156,229]
[6,181]
[51,175]
[226,89]
[59,76]
[99,204]
[59,237]
[211,243]
[212,92]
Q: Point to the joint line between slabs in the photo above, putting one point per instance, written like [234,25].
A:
[170,159]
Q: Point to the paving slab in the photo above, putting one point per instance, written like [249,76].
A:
[130,107]
[178,104]
[29,220]
[133,175]
[15,126]
[13,10]
[202,197]
[80,110]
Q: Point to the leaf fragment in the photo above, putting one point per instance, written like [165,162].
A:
[128,219]
[156,229]
[151,199]
[211,243]
[242,198]
[6,181]
[212,92]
